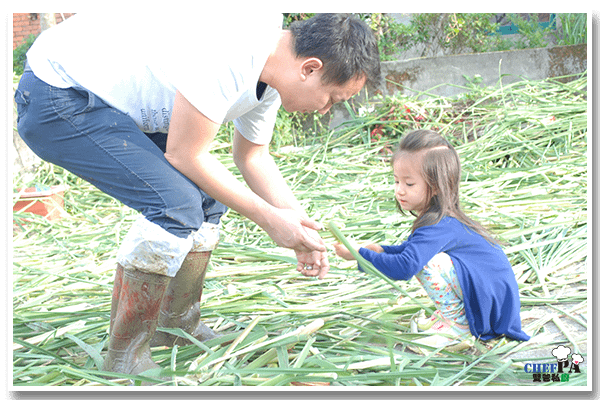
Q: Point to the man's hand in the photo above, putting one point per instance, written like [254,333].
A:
[290,229]
[303,239]
[314,264]
[293,230]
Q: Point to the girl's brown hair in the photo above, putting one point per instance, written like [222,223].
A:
[440,168]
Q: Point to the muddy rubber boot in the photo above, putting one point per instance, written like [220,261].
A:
[115,295]
[134,317]
[181,304]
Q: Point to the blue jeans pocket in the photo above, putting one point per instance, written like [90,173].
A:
[92,100]
[72,102]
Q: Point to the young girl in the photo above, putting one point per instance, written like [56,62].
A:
[461,267]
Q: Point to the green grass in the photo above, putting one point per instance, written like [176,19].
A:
[525,177]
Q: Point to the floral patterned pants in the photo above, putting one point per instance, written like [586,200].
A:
[439,280]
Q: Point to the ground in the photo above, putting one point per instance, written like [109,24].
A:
[525,177]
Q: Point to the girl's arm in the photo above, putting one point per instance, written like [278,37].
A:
[395,249]
[406,260]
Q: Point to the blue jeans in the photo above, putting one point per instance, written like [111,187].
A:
[78,131]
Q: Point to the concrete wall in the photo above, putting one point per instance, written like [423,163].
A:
[445,76]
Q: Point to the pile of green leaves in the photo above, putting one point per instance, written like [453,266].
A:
[525,160]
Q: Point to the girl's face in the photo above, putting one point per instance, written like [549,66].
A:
[410,188]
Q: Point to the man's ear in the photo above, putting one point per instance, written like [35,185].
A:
[309,66]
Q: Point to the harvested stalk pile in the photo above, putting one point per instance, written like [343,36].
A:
[525,162]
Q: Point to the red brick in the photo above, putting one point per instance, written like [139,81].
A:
[24,25]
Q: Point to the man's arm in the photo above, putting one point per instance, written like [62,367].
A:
[255,163]
[264,178]
[188,142]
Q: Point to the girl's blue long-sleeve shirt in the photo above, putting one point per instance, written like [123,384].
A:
[490,290]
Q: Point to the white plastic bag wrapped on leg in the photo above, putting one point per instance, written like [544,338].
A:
[206,238]
[149,248]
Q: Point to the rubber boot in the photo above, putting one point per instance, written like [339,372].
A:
[181,304]
[134,317]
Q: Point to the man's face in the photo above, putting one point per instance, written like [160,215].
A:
[309,93]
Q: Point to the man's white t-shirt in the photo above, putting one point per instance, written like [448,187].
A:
[136,62]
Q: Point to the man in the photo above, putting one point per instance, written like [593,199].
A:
[132,103]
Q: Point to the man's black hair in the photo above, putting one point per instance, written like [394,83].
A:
[345,44]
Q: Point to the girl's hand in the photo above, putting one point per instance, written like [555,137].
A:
[343,252]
